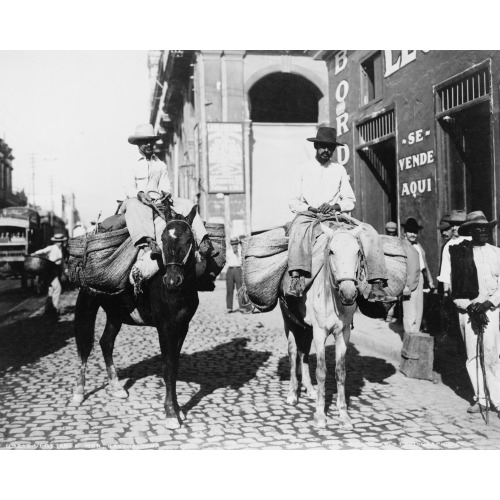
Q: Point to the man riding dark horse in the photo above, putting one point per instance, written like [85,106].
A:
[168,302]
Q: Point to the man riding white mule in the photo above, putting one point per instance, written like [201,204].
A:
[148,180]
[322,187]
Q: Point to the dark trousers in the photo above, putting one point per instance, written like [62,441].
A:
[233,277]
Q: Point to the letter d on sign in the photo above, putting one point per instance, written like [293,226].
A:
[343,154]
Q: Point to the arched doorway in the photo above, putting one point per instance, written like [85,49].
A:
[284,110]
[284,98]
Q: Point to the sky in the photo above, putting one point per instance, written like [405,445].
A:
[69,113]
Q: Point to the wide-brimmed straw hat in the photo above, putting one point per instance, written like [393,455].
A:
[327,135]
[473,220]
[411,225]
[58,237]
[235,240]
[143,133]
[391,226]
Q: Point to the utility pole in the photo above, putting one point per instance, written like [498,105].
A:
[33,176]
[52,193]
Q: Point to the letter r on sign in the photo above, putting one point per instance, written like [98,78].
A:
[342,124]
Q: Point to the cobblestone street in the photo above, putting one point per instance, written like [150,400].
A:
[233,382]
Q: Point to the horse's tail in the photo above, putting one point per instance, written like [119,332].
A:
[86,309]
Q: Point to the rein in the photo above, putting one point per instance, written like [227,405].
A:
[186,257]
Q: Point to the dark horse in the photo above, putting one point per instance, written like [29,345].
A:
[168,302]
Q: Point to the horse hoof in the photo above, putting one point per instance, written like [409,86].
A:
[345,421]
[311,393]
[172,423]
[120,393]
[292,399]
[347,426]
[77,398]
[320,421]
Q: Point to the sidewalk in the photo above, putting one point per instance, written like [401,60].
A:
[378,336]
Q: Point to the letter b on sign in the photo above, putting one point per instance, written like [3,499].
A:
[340,61]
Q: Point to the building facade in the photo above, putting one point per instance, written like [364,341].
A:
[7,197]
[233,126]
[421,133]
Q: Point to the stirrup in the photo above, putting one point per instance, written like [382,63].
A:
[297,286]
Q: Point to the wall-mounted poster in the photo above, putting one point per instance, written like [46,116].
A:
[226,173]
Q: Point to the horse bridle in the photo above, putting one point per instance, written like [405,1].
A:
[186,257]
[336,282]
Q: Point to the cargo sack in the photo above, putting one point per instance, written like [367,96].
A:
[264,261]
[101,262]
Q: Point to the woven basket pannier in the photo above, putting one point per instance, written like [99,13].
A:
[105,262]
[265,259]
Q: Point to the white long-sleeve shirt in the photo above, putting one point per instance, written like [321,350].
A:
[53,253]
[147,175]
[233,259]
[315,184]
[487,261]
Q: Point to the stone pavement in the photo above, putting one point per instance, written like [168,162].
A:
[233,381]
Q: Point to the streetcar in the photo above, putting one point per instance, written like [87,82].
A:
[23,230]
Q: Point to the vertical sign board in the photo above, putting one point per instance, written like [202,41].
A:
[226,173]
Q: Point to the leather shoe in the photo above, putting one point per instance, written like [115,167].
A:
[377,293]
[155,250]
[476,408]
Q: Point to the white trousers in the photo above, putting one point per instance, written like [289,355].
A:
[139,218]
[413,308]
[491,342]
[55,291]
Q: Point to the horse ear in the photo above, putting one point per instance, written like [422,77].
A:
[192,215]
[167,207]
[326,230]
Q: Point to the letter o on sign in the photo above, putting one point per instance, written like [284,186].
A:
[342,91]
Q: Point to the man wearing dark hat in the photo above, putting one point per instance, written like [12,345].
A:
[150,175]
[54,254]
[474,280]
[445,228]
[413,303]
[322,187]
[233,274]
